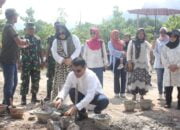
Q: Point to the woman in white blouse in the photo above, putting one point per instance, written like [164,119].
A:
[95,54]
[157,47]
[171,61]
[138,54]
[65,48]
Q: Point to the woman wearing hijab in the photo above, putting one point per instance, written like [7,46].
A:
[65,48]
[138,54]
[116,50]
[171,61]
[157,47]
[95,54]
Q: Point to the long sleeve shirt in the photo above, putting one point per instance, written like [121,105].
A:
[95,58]
[171,57]
[157,53]
[59,59]
[144,57]
[88,85]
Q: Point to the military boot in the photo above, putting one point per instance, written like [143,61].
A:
[178,102]
[178,105]
[34,98]
[48,97]
[23,100]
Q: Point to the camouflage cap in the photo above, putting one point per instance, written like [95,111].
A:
[30,25]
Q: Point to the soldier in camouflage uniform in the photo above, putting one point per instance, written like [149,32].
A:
[50,64]
[31,61]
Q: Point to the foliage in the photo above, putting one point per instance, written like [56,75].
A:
[30,16]
[43,29]
[117,21]
[82,31]
[173,23]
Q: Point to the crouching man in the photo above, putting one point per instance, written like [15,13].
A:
[84,88]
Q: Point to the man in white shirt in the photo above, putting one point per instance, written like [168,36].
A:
[83,85]
[65,48]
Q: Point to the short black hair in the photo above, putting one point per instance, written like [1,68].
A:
[79,62]
[9,13]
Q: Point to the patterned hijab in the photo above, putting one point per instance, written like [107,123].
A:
[95,42]
[117,43]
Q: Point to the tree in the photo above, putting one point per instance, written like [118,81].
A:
[116,22]
[173,23]
[61,15]
[43,29]
[30,16]
[82,31]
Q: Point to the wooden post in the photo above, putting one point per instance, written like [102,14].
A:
[137,21]
[155,30]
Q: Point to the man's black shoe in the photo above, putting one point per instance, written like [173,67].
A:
[82,116]
[34,99]
[178,105]
[23,100]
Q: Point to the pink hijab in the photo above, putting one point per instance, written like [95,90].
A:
[94,43]
[117,43]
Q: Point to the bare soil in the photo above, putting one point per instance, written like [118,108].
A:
[158,118]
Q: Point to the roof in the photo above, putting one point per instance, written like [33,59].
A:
[155,11]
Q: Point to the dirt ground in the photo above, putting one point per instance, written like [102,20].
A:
[158,118]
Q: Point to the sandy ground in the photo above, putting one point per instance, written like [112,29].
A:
[158,118]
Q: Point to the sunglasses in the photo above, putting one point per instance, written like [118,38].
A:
[77,71]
